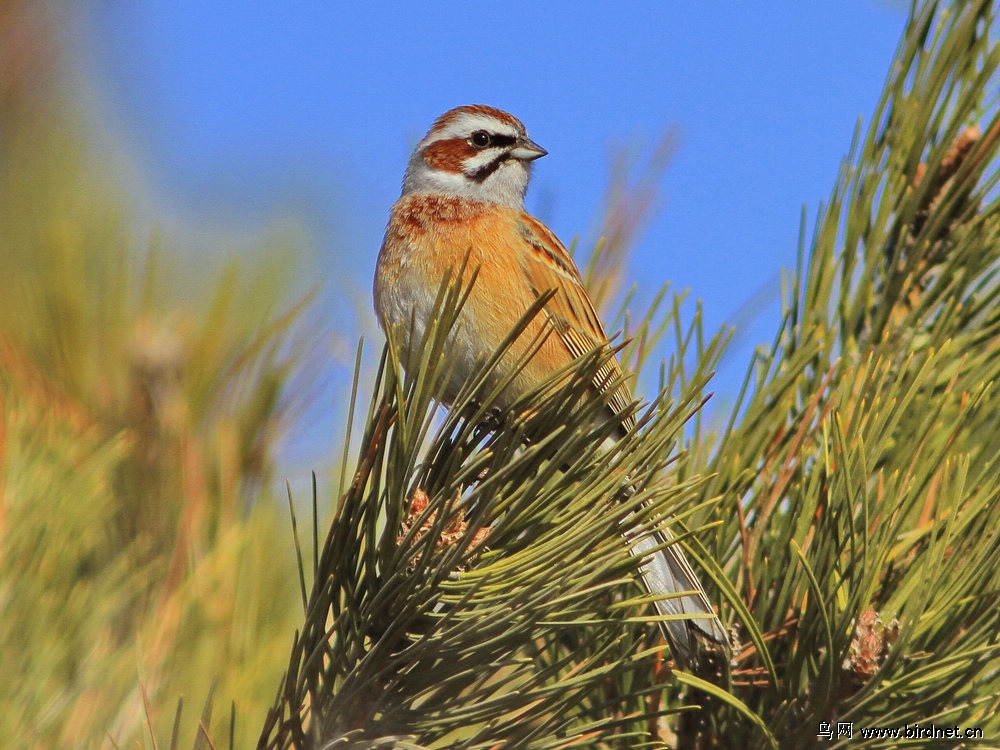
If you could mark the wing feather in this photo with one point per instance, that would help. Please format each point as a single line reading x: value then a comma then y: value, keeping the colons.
x: 548, y: 265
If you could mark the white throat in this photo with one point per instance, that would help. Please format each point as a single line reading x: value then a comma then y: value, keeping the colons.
x: 505, y: 186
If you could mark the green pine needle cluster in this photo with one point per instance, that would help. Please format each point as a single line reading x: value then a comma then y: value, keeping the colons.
x: 475, y: 589
x: 859, y: 479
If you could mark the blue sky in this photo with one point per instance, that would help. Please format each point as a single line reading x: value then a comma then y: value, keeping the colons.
x: 240, y: 113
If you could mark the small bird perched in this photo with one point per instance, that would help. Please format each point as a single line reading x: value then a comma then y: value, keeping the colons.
x: 463, y: 198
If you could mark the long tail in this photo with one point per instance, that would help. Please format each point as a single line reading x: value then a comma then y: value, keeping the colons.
x: 666, y: 571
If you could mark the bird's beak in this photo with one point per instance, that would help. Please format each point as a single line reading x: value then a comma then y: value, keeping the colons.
x: 528, y: 150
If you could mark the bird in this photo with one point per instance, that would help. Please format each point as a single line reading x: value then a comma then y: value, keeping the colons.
x: 462, y: 206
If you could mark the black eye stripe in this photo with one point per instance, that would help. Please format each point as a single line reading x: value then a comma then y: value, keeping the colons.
x: 497, y: 140
x: 502, y: 140
x: 492, y: 140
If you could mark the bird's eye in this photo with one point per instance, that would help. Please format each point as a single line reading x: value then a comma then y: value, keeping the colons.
x: 481, y: 139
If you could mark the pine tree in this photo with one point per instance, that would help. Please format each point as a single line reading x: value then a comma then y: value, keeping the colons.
x: 474, y: 591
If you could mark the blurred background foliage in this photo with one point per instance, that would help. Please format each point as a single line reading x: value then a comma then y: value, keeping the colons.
x: 145, y: 381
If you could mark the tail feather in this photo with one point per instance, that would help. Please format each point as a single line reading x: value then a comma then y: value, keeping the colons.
x: 666, y: 572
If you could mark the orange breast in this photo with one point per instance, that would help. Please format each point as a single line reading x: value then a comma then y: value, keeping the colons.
x: 429, y: 237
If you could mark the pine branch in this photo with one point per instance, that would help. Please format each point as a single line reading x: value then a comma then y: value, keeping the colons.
x: 862, y: 472
x: 474, y: 589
